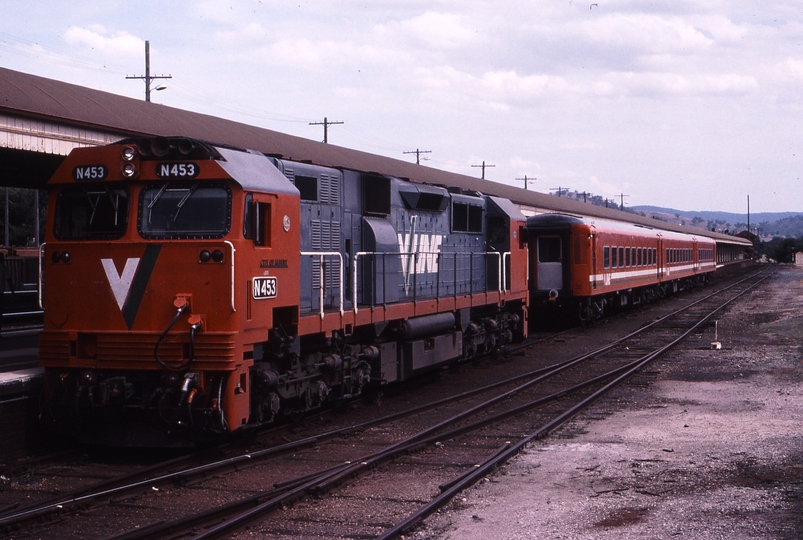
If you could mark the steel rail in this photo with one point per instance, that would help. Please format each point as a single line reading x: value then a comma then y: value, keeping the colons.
x: 242, y: 513
x: 480, y: 472
x: 104, y: 491
x: 327, y: 479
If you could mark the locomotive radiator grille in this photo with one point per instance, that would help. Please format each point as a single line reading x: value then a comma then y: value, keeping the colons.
x: 211, y: 351
x: 325, y: 237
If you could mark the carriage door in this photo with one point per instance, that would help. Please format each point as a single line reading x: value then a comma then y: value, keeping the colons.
x: 549, y: 271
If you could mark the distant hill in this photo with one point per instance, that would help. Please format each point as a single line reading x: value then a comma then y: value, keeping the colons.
x: 769, y: 224
x: 728, y: 217
x: 766, y: 224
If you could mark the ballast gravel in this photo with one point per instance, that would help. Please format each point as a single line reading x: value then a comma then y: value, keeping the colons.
x: 708, y: 444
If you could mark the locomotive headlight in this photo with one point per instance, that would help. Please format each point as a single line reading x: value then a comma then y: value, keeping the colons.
x: 205, y: 256
x: 129, y: 153
x: 129, y: 170
x: 57, y: 257
x: 88, y: 376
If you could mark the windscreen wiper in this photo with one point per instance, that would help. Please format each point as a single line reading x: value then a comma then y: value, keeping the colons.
x: 184, y: 199
x: 155, y: 199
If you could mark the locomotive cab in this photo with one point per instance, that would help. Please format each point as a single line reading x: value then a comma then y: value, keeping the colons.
x: 147, y: 244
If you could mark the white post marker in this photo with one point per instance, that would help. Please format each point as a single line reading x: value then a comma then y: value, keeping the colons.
x: 716, y: 345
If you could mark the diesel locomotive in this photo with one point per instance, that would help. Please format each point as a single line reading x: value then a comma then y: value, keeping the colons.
x: 199, y: 289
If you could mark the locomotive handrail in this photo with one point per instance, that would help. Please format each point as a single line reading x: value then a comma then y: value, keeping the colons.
x: 233, y: 308
x: 504, y: 269
x: 321, y: 255
x: 41, y: 249
x: 501, y: 268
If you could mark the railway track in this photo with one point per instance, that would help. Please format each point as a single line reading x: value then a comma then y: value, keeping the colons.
x: 352, y: 480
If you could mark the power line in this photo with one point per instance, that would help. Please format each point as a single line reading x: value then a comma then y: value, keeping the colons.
x: 326, y: 123
x: 418, y: 153
x: 559, y: 190
x: 483, y: 168
x: 147, y: 77
x: 622, y: 201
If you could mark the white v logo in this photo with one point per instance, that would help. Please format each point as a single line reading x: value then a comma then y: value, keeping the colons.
x: 121, y: 284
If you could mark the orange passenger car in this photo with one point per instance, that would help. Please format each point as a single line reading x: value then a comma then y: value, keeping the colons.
x: 583, y: 267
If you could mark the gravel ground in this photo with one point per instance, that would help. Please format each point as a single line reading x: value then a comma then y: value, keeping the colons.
x: 708, y: 445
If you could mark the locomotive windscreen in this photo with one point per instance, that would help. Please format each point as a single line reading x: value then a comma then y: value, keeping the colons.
x: 91, y: 213
x: 184, y: 211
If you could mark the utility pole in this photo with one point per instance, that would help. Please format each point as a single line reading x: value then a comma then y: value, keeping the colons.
x: 526, y: 180
x: 147, y: 77
x: 483, y: 168
x: 559, y: 190
x: 326, y: 123
x: 748, y: 213
x: 622, y: 201
x: 418, y: 153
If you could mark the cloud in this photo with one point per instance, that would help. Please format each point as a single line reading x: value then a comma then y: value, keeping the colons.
x: 655, y: 84
x: 433, y: 30
x: 99, y: 39
x: 631, y: 93
x: 644, y: 33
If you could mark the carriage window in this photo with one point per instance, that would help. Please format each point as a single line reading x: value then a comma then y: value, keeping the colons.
x: 606, y: 257
x: 549, y: 249
x: 89, y: 213
x: 184, y: 211
x: 613, y: 257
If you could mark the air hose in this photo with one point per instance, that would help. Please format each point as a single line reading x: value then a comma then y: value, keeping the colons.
x: 193, y: 329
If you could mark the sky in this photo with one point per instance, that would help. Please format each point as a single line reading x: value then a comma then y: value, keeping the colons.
x: 683, y: 104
